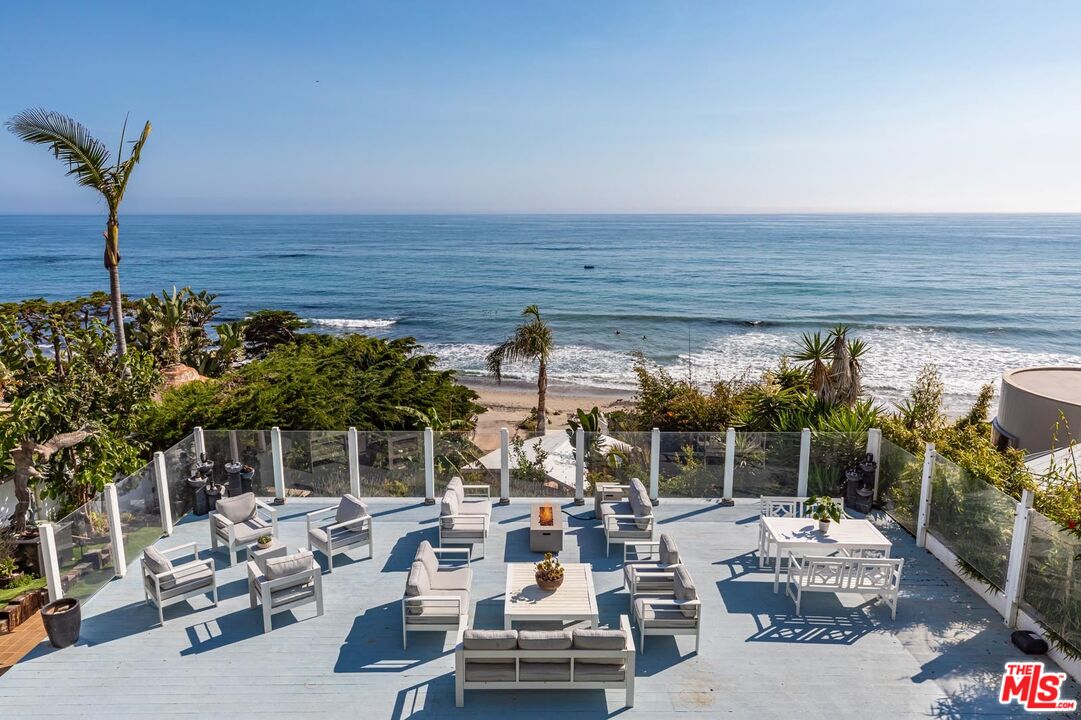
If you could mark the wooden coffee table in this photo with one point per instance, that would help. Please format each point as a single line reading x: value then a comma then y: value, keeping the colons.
x: 574, y: 600
x: 546, y: 538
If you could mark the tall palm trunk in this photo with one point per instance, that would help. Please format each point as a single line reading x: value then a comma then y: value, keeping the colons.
x: 112, y: 262
x: 542, y: 389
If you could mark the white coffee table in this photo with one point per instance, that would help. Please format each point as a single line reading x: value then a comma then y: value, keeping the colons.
x: 802, y: 536
x: 574, y: 600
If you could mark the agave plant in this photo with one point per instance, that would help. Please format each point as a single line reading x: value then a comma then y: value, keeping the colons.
x: 89, y: 161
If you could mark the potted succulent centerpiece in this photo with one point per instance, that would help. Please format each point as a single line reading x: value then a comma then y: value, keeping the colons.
x: 825, y: 510
x: 265, y: 541
x: 549, y: 573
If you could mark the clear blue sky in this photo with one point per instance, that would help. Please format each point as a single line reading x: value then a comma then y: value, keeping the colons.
x: 556, y: 107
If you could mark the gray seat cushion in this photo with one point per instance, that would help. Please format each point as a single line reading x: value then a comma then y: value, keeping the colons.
x: 237, y: 509
x: 447, y: 507
x: 480, y: 507
x: 292, y: 594
x: 593, y: 672
x: 669, y: 552
x: 350, y: 508
x: 545, y: 640
x: 155, y: 561
x: 534, y: 671
x: 616, y: 508
x: 452, y: 579
x: 464, y: 532
x: 437, y: 612
x: 476, y: 671
x: 248, y: 531
x: 342, y: 537
x: 648, y: 577
x: 661, y: 617
x: 281, y: 567
x: 186, y: 578
x: 417, y: 582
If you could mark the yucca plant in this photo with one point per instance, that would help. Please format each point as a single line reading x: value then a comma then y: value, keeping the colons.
x: 89, y: 161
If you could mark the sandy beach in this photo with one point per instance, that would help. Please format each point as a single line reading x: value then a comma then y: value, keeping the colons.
x: 510, y: 402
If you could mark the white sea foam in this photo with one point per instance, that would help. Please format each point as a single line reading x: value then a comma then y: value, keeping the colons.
x: 350, y: 323
x: 891, y: 365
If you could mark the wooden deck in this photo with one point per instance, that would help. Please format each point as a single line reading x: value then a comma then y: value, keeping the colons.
x: 845, y: 658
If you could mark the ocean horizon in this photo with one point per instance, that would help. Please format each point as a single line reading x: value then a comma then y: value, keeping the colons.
x: 705, y: 296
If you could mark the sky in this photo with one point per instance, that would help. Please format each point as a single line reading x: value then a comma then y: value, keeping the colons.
x: 515, y: 107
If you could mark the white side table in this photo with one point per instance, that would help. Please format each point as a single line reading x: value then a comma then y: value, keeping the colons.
x: 260, y: 555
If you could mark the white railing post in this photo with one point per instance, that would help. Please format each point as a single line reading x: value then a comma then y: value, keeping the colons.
x: 804, y: 462
x: 116, y: 532
x: 655, y: 466
x: 729, y: 463
x: 874, y: 449
x: 429, y: 466
x: 504, y: 466
x: 352, y: 443
x: 1015, y: 572
x: 165, y: 506
x: 580, y: 466
x: 50, y: 560
x: 200, y: 443
x: 278, y: 465
x: 924, y: 515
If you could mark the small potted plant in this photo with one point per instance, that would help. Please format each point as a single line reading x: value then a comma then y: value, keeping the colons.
x: 549, y: 573
x: 825, y: 510
x: 265, y: 541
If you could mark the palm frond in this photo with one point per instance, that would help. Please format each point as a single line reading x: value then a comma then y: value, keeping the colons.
x: 124, y: 169
x: 86, y: 156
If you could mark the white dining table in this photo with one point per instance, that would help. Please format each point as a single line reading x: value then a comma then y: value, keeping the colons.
x: 802, y: 536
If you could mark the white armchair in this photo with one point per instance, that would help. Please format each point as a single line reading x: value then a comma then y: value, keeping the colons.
x: 675, y: 613
x: 288, y: 582
x: 165, y: 583
x: 238, y: 523
x: 351, y: 527
x: 459, y: 527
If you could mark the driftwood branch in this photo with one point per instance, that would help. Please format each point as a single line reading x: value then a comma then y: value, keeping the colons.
x: 26, y: 456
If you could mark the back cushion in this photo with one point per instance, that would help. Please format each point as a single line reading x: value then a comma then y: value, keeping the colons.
x: 237, y: 509
x: 288, y: 565
x: 427, y: 556
x: 683, y: 588
x: 545, y: 640
x: 458, y: 487
x: 490, y: 639
x: 669, y: 551
x: 596, y: 639
x: 156, y: 562
x: 417, y: 583
x: 350, y: 508
x: 449, y: 506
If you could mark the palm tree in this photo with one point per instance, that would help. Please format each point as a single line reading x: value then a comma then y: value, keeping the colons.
x: 532, y: 341
x: 88, y: 160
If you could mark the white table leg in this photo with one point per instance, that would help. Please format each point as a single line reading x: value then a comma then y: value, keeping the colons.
x: 507, y: 623
x: 777, y: 568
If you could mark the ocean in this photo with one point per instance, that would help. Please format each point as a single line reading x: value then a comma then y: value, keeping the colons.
x: 708, y: 297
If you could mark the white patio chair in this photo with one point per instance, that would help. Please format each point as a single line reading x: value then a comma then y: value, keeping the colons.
x: 288, y: 583
x: 165, y: 583
x: 238, y: 523
x: 352, y: 527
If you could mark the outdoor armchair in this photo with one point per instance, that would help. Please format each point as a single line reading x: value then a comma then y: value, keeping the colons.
x: 350, y: 527
x: 287, y: 583
x: 238, y: 523
x: 165, y: 583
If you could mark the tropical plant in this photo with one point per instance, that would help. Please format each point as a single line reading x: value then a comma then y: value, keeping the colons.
x: 89, y: 161
x: 834, y: 364
x: 532, y: 342
x: 528, y: 466
x: 229, y: 350
x: 172, y: 325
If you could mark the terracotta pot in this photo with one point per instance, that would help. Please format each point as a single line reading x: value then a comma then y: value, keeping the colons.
x: 547, y: 584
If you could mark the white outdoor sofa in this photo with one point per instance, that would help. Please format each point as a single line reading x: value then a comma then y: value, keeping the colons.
x: 783, y: 506
x: 866, y: 576
x: 626, y: 517
x: 545, y: 660
x: 678, y: 612
x: 464, y: 519
x: 436, y: 598
x: 287, y: 583
x: 165, y: 583
x: 351, y: 527
x: 238, y: 523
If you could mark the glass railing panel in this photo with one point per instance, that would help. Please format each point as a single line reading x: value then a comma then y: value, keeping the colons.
x: 766, y: 464
x: 615, y: 457
x: 973, y: 519
x: 899, y: 476
x: 466, y: 455
x: 249, y: 448
x: 832, y: 454
x: 316, y: 463
x: 140, y: 514
x: 391, y: 463
x: 179, y: 460
x: 691, y: 464
x: 1052, y: 585
x: 84, y: 550
x: 541, y: 466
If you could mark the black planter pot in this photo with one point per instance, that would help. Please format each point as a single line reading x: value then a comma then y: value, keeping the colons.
x: 62, y: 619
